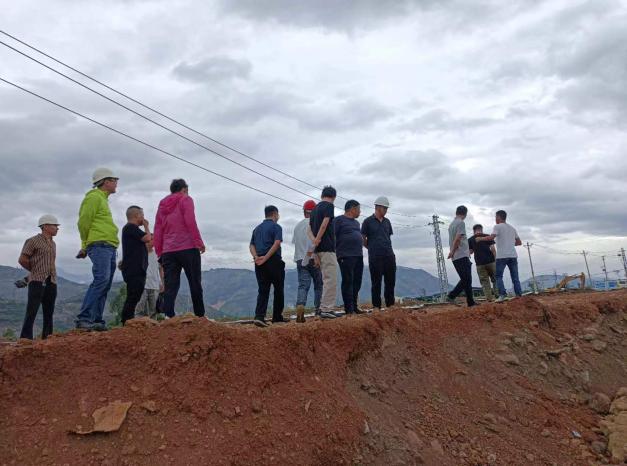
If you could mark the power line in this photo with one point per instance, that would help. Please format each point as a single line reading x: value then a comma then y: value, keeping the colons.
x: 152, y: 109
x: 147, y: 144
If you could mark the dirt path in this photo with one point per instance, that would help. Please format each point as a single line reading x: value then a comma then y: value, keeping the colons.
x: 505, y: 384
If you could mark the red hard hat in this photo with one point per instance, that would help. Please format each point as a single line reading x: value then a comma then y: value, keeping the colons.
x: 309, y: 205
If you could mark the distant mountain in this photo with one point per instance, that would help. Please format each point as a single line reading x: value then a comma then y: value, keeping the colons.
x: 227, y: 293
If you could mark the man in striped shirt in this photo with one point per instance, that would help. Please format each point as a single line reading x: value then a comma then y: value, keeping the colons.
x: 38, y: 257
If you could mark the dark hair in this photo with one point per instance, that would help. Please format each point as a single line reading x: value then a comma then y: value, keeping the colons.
x: 461, y: 210
x: 329, y: 191
x: 478, y: 226
x: 501, y: 214
x: 350, y: 204
x: 269, y: 210
x: 177, y: 185
x: 133, y: 210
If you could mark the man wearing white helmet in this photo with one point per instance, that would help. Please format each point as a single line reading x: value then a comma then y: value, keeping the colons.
x: 377, y: 231
x: 99, y: 242
x: 38, y: 256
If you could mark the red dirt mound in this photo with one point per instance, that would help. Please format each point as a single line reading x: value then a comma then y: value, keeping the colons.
x: 516, y: 383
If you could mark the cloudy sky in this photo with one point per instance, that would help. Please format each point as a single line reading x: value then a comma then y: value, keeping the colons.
x: 518, y: 105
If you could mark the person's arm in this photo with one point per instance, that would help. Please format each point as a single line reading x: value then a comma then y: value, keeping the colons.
x: 147, y: 236
x: 487, y: 238
x: 86, y: 216
x: 25, y: 255
x: 187, y: 207
x: 493, y: 249
x: 518, y: 241
x: 157, y: 237
x: 310, y: 234
x: 456, y: 242
x: 364, y: 232
x: 263, y: 259
x: 323, y: 228
x: 253, y: 251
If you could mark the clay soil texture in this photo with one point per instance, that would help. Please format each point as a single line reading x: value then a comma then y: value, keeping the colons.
x: 525, y: 382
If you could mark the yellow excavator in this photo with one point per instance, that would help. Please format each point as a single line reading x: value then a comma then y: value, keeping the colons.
x: 569, y: 278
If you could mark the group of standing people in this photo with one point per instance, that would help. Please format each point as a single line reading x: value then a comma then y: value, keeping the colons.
x: 493, y: 253
x: 322, y: 242
x: 151, y: 262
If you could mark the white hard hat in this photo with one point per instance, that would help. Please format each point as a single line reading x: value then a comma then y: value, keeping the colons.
x: 382, y: 201
x: 47, y: 220
x: 102, y: 173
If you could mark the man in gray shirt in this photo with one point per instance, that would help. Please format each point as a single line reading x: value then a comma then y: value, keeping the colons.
x: 460, y: 253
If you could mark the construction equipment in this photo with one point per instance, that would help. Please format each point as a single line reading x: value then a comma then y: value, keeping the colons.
x: 567, y: 279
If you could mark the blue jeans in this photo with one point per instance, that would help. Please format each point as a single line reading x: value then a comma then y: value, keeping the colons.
x: 305, y: 275
x: 512, y: 264
x: 103, y: 259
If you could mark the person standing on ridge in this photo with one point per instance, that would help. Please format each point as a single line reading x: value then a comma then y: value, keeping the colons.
x: 134, y: 259
x: 460, y: 253
x: 265, y: 247
x: 38, y: 256
x: 178, y: 245
x: 485, y: 261
x: 147, y: 305
x: 506, y: 238
x: 350, y: 255
x: 99, y: 242
x: 307, y: 267
x: 321, y: 223
x: 377, y: 232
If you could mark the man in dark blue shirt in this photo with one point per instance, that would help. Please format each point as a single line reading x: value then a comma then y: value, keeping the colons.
x: 265, y: 247
x: 377, y: 231
x: 349, y: 250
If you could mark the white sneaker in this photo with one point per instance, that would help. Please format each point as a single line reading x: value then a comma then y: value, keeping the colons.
x: 500, y: 299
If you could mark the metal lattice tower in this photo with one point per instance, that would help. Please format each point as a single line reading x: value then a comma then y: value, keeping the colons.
x: 439, y: 255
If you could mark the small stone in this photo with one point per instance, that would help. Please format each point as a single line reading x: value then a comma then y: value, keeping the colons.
x: 162, y: 447
x: 544, y: 368
x: 600, y: 403
x: 128, y: 449
x: 509, y: 358
x: 366, y: 428
x: 373, y: 391
x: 598, y: 447
x: 530, y: 457
x: 238, y: 411
x: 437, y: 447
x: 134, y: 388
x: 307, y: 406
x: 256, y: 406
x: 599, y: 346
x: 149, y: 406
x: 546, y: 433
x: 491, y: 458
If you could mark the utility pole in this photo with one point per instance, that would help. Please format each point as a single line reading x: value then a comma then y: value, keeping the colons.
x: 585, y: 258
x: 533, y: 275
x: 439, y: 255
x: 622, y: 256
x: 605, y: 271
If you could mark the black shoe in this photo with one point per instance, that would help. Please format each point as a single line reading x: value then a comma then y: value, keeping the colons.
x: 260, y: 323
x: 100, y: 327
x: 327, y: 315
x: 82, y: 325
x: 281, y: 320
x: 359, y: 311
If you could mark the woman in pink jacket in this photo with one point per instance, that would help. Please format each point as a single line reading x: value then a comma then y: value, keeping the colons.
x: 178, y: 245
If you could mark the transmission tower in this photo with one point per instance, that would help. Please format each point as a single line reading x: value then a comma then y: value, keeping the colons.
x: 439, y: 255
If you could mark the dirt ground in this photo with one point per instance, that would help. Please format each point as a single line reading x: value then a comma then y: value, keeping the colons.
x: 521, y: 383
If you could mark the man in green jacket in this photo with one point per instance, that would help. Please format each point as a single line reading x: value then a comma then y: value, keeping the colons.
x: 99, y: 242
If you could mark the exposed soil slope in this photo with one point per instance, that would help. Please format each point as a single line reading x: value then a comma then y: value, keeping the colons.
x: 517, y: 383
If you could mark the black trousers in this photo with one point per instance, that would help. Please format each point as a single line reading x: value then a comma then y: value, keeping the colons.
x: 173, y: 262
x: 382, y: 268
x: 272, y: 273
x: 44, y: 294
x: 352, y: 270
x: 134, y: 290
x: 463, y: 267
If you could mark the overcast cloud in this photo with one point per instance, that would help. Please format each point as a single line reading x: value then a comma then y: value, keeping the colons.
x: 519, y: 105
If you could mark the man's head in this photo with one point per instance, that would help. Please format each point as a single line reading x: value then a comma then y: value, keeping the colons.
x: 135, y: 215
x: 328, y: 194
x: 272, y: 213
x: 105, y: 180
x: 308, y: 207
x: 477, y: 229
x: 381, y: 205
x: 461, y: 212
x: 49, y: 225
x: 352, y: 209
x: 501, y: 216
x: 179, y: 186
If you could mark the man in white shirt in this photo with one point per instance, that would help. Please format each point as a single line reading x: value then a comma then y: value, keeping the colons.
x: 147, y: 305
x: 307, y: 266
x: 506, y: 238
